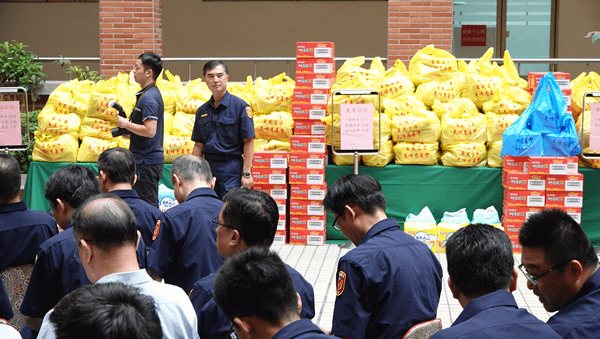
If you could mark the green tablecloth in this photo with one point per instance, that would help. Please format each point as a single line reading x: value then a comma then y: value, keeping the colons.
x: 407, y: 189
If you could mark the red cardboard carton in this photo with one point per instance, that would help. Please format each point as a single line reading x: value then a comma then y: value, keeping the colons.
x: 574, y: 212
x: 307, y: 207
x: 308, y: 143
x: 274, y: 191
x: 562, y: 79
x: 518, y: 213
x: 281, y: 223
x: 524, y: 181
x: 306, y: 237
x: 308, y: 111
x: 552, y: 165
x: 273, y: 176
x: 570, y: 182
x: 313, y: 65
x: 308, y: 192
x: 308, y: 222
x: 305, y: 176
x: 275, y: 159
x: 564, y: 199
x: 524, y: 198
x: 307, y: 160
x: 514, y: 164
x: 322, y: 49
x: 280, y: 237
x: 281, y: 206
x: 314, y: 80
x: 309, y: 127
x: 311, y: 96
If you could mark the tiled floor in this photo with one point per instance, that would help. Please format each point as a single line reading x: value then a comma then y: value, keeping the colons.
x: 318, y: 265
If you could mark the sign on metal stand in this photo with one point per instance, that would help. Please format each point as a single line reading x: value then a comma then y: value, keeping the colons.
x: 590, y: 126
x: 13, y: 102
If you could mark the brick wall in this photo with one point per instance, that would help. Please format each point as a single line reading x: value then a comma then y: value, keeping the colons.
x: 127, y: 29
x: 415, y: 24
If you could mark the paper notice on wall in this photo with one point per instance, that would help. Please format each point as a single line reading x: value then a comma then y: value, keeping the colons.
x: 356, y: 126
x: 10, y: 123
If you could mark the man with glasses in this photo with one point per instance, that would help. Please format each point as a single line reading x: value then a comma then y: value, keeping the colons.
x: 248, y: 219
x: 561, y: 267
x: 482, y: 278
x: 106, y: 235
x: 257, y: 296
x: 184, y: 248
x: 390, y: 281
x: 224, y: 132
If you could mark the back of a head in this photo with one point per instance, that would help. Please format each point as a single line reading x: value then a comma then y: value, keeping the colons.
x: 106, y: 311
x: 253, y: 213
x: 72, y: 184
x: 355, y: 189
x: 152, y: 61
x: 212, y: 64
x: 559, y: 236
x: 10, y: 177
x: 107, y: 222
x: 191, y: 168
x: 480, y: 259
x: 255, y: 283
x: 118, y: 164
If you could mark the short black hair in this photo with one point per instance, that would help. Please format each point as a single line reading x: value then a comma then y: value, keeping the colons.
x: 355, y: 189
x: 255, y: 282
x: 559, y: 236
x: 152, y: 61
x: 191, y: 167
x: 118, y: 164
x: 10, y: 177
x: 253, y: 213
x: 72, y: 184
x: 106, y: 221
x: 109, y: 310
x: 480, y: 259
x: 212, y: 64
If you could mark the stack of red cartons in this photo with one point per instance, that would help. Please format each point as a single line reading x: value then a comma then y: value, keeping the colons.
x: 562, y: 79
x: 534, y: 183
x: 269, y: 171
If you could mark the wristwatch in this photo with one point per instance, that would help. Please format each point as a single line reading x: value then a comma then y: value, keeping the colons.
x: 247, y: 174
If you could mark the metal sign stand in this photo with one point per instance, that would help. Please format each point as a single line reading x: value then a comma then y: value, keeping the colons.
x: 591, y: 156
x: 25, y: 103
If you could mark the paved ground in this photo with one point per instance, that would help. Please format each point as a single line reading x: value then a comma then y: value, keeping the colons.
x: 318, y: 265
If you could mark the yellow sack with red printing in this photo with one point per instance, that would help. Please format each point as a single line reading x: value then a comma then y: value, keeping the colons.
x: 443, y: 91
x: 53, y: 123
x: 117, y: 89
x: 494, y: 159
x: 463, y: 128
x: 455, y: 106
x: 583, y: 83
x: 242, y: 91
x: 421, y: 127
x: 168, y: 90
x: 71, y: 97
x: 408, y: 153
x: 507, y: 99
x: 464, y: 155
x: 276, y: 125
x: 95, y: 127
x: 191, y: 96
x: 52, y: 148
x: 402, y: 105
x: 274, y: 94
x: 432, y: 64
x: 92, y: 147
x: 261, y: 145
x: 383, y: 157
x: 385, y: 128
x: 175, y: 146
x: 395, y: 82
x: 497, y: 124
x: 183, y: 124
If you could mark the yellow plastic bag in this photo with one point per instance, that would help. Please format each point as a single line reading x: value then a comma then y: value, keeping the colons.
x: 395, y: 82
x: 493, y: 157
x: 275, y: 94
x: 51, y: 148
x: 512, y: 73
x: 464, y: 155
x: 348, y: 71
x: 583, y: 83
x: 455, y: 106
x: 276, y: 145
x: 183, y: 124
x: 385, y: 128
x: 402, y: 105
x: 124, y: 142
x: 421, y: 127
x: 483, y: 78
x: 343, y: 160
x: 244, y: 91
x: 98, y: 128
x: 443, y: 91
x: 176, y: 146
x: 382, y: 158
x: 432, y: 64
x: 276, y: 125
x: 71, y: 97
x: 117, y: 89
x: 497, y: 124
x: 192, y: 96
x: 507, y: 100
x: 50, y: 122
x: 92, y: 147
x: 463, y: 128
x: 168, y: 123
x: 407, y: 153
x: 168, y: 91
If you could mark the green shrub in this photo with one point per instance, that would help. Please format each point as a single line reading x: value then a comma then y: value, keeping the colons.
x: 24, y: 157
x: 19, y: 67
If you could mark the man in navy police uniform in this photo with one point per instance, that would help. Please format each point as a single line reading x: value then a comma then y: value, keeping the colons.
x: 6, y: 312
x: 56, y: 271
x: 224, y: 131
x: 146, y: 125
x: 184, y: 248
x: 116, y: 169
x: 482, y: 276
x: 561, y: 268
x: 21, y: 230
x: 390, y: 281
x: 248, y: 219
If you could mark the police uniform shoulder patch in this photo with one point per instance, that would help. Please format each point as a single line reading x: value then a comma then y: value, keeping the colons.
x: 341, y: 283
x: 156, y: 229
x: 249, y: 112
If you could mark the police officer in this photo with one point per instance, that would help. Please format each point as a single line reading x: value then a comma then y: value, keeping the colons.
x: 147, y: 127
x: 184, y: 248
x: 6, y: 311
x: 390, y: 281
x: 21, y: 230
x: 224, y: 131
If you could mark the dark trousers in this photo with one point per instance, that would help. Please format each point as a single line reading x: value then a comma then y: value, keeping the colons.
x: 146, y: 185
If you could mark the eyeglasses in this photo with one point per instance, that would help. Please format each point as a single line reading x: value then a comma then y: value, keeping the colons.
x: 337, y: 227
x: 216, y: 224
x: 231, y: 334
x: 532, y: 278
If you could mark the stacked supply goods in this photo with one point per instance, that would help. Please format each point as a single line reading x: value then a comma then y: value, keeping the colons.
x: 56, y: 139
x: 532, y: 183
x: 180, y: 114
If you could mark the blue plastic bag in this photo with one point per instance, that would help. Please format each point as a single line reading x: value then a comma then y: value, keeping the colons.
x: 545, y: 128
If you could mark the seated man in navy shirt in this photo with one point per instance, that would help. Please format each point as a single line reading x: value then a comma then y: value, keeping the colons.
x: 257, y: 296
x: 390, y: 281
x: 561, y: 268
x: 248, y: 219
x: 482, y: 276
x: 56, y: 271
x: 21, y: 230
x: 116, y: 173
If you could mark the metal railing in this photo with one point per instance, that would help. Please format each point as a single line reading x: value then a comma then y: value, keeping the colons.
x: 287, y: 60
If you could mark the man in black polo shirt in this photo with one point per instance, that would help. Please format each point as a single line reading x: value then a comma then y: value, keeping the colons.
x: 146, y: 125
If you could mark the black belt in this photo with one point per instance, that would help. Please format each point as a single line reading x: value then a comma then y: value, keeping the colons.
x: 222, y: 157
